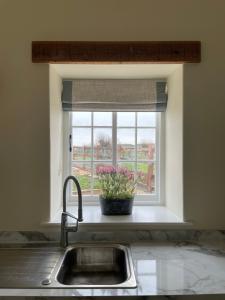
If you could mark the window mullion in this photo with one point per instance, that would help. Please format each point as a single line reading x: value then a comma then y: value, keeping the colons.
x: 114, y: 139
x: 136, y: 144
x: 92, y: 153
x: 158, y: 155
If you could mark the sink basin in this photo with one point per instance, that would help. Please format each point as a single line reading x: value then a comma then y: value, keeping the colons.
x: 96, y: 266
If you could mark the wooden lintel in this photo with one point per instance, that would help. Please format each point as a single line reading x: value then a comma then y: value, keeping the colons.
x: 116, y: 52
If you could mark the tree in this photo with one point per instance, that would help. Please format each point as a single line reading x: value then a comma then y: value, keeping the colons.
x: 103, y: 146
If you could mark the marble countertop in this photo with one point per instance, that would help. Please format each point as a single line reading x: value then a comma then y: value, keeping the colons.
x: 161, y: 268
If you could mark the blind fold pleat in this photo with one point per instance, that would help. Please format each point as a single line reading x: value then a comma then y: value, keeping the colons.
x: 114, y: 95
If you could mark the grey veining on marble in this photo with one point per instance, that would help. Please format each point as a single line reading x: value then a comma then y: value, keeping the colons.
x: 118, y: 236
x: 162, y: 268
x: 22, y: 237
x: 181, y: 270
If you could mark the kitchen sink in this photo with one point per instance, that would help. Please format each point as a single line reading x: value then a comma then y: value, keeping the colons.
x: 96, y: 266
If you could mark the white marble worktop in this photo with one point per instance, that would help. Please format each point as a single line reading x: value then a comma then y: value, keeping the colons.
x: 162, y: 268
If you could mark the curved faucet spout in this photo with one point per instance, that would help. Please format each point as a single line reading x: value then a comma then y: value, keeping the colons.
x: 80, y: 210
x: 65, y: 227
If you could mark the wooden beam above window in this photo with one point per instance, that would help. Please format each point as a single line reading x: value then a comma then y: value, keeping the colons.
x: 116, y: 52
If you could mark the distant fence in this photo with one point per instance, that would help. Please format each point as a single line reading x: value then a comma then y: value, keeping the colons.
x: 103, y: 153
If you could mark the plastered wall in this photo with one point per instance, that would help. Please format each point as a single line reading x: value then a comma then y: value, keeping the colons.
x: 174, y: 144
x: 24, y: 95
x: 56, y: 141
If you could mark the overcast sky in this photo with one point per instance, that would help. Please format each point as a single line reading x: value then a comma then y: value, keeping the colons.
x: 82, y: 136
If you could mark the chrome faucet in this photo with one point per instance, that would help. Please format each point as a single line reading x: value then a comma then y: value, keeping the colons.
x: 65, y: 226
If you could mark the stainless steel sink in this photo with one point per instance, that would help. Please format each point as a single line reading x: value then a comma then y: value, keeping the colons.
x: 96, y: 266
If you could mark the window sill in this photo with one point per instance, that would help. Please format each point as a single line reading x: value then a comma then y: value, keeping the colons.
x: 142, y: 216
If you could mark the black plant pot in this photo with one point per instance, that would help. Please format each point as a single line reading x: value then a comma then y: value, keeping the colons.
x: 116, y: 206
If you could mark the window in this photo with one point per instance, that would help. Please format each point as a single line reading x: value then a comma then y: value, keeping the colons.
x: 126, y: 139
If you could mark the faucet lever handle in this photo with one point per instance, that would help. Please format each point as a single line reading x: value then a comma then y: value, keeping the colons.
x: 69, y: 227
x: 67, y: 214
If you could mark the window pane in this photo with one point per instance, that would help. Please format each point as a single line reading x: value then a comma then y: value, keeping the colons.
x: 102, y: 119
x: 126, y: 119
x: 141, y: 163
x: 96, y: 188
x: 82, y: 172
x: 146, y: 144
x: 125, y: 144
x: 103, y: 144
x: 81, y: 144
x: 146, y: 119
x: 128, y: 165
x: 146, y: 178
x: 81, y: 118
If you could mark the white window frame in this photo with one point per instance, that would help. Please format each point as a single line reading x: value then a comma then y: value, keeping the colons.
x: 155, y: 199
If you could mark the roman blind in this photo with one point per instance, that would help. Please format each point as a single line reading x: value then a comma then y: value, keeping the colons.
x: 114, y: 95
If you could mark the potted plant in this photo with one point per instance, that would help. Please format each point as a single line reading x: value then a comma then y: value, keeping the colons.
x: 117, y: 190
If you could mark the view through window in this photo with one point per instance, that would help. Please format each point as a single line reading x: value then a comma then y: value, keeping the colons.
x: 126, y: 139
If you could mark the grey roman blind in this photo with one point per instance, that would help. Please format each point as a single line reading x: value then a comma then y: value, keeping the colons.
x: 114, y: 95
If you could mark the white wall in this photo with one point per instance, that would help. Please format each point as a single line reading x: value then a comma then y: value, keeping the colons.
x: 56, y: 141
x: 174, y: 143
x: 24, y: 95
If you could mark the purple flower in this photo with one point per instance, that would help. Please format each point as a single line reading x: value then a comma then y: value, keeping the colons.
x: 116, y: 182
x: 102, y: 170
x: 110, y: 170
